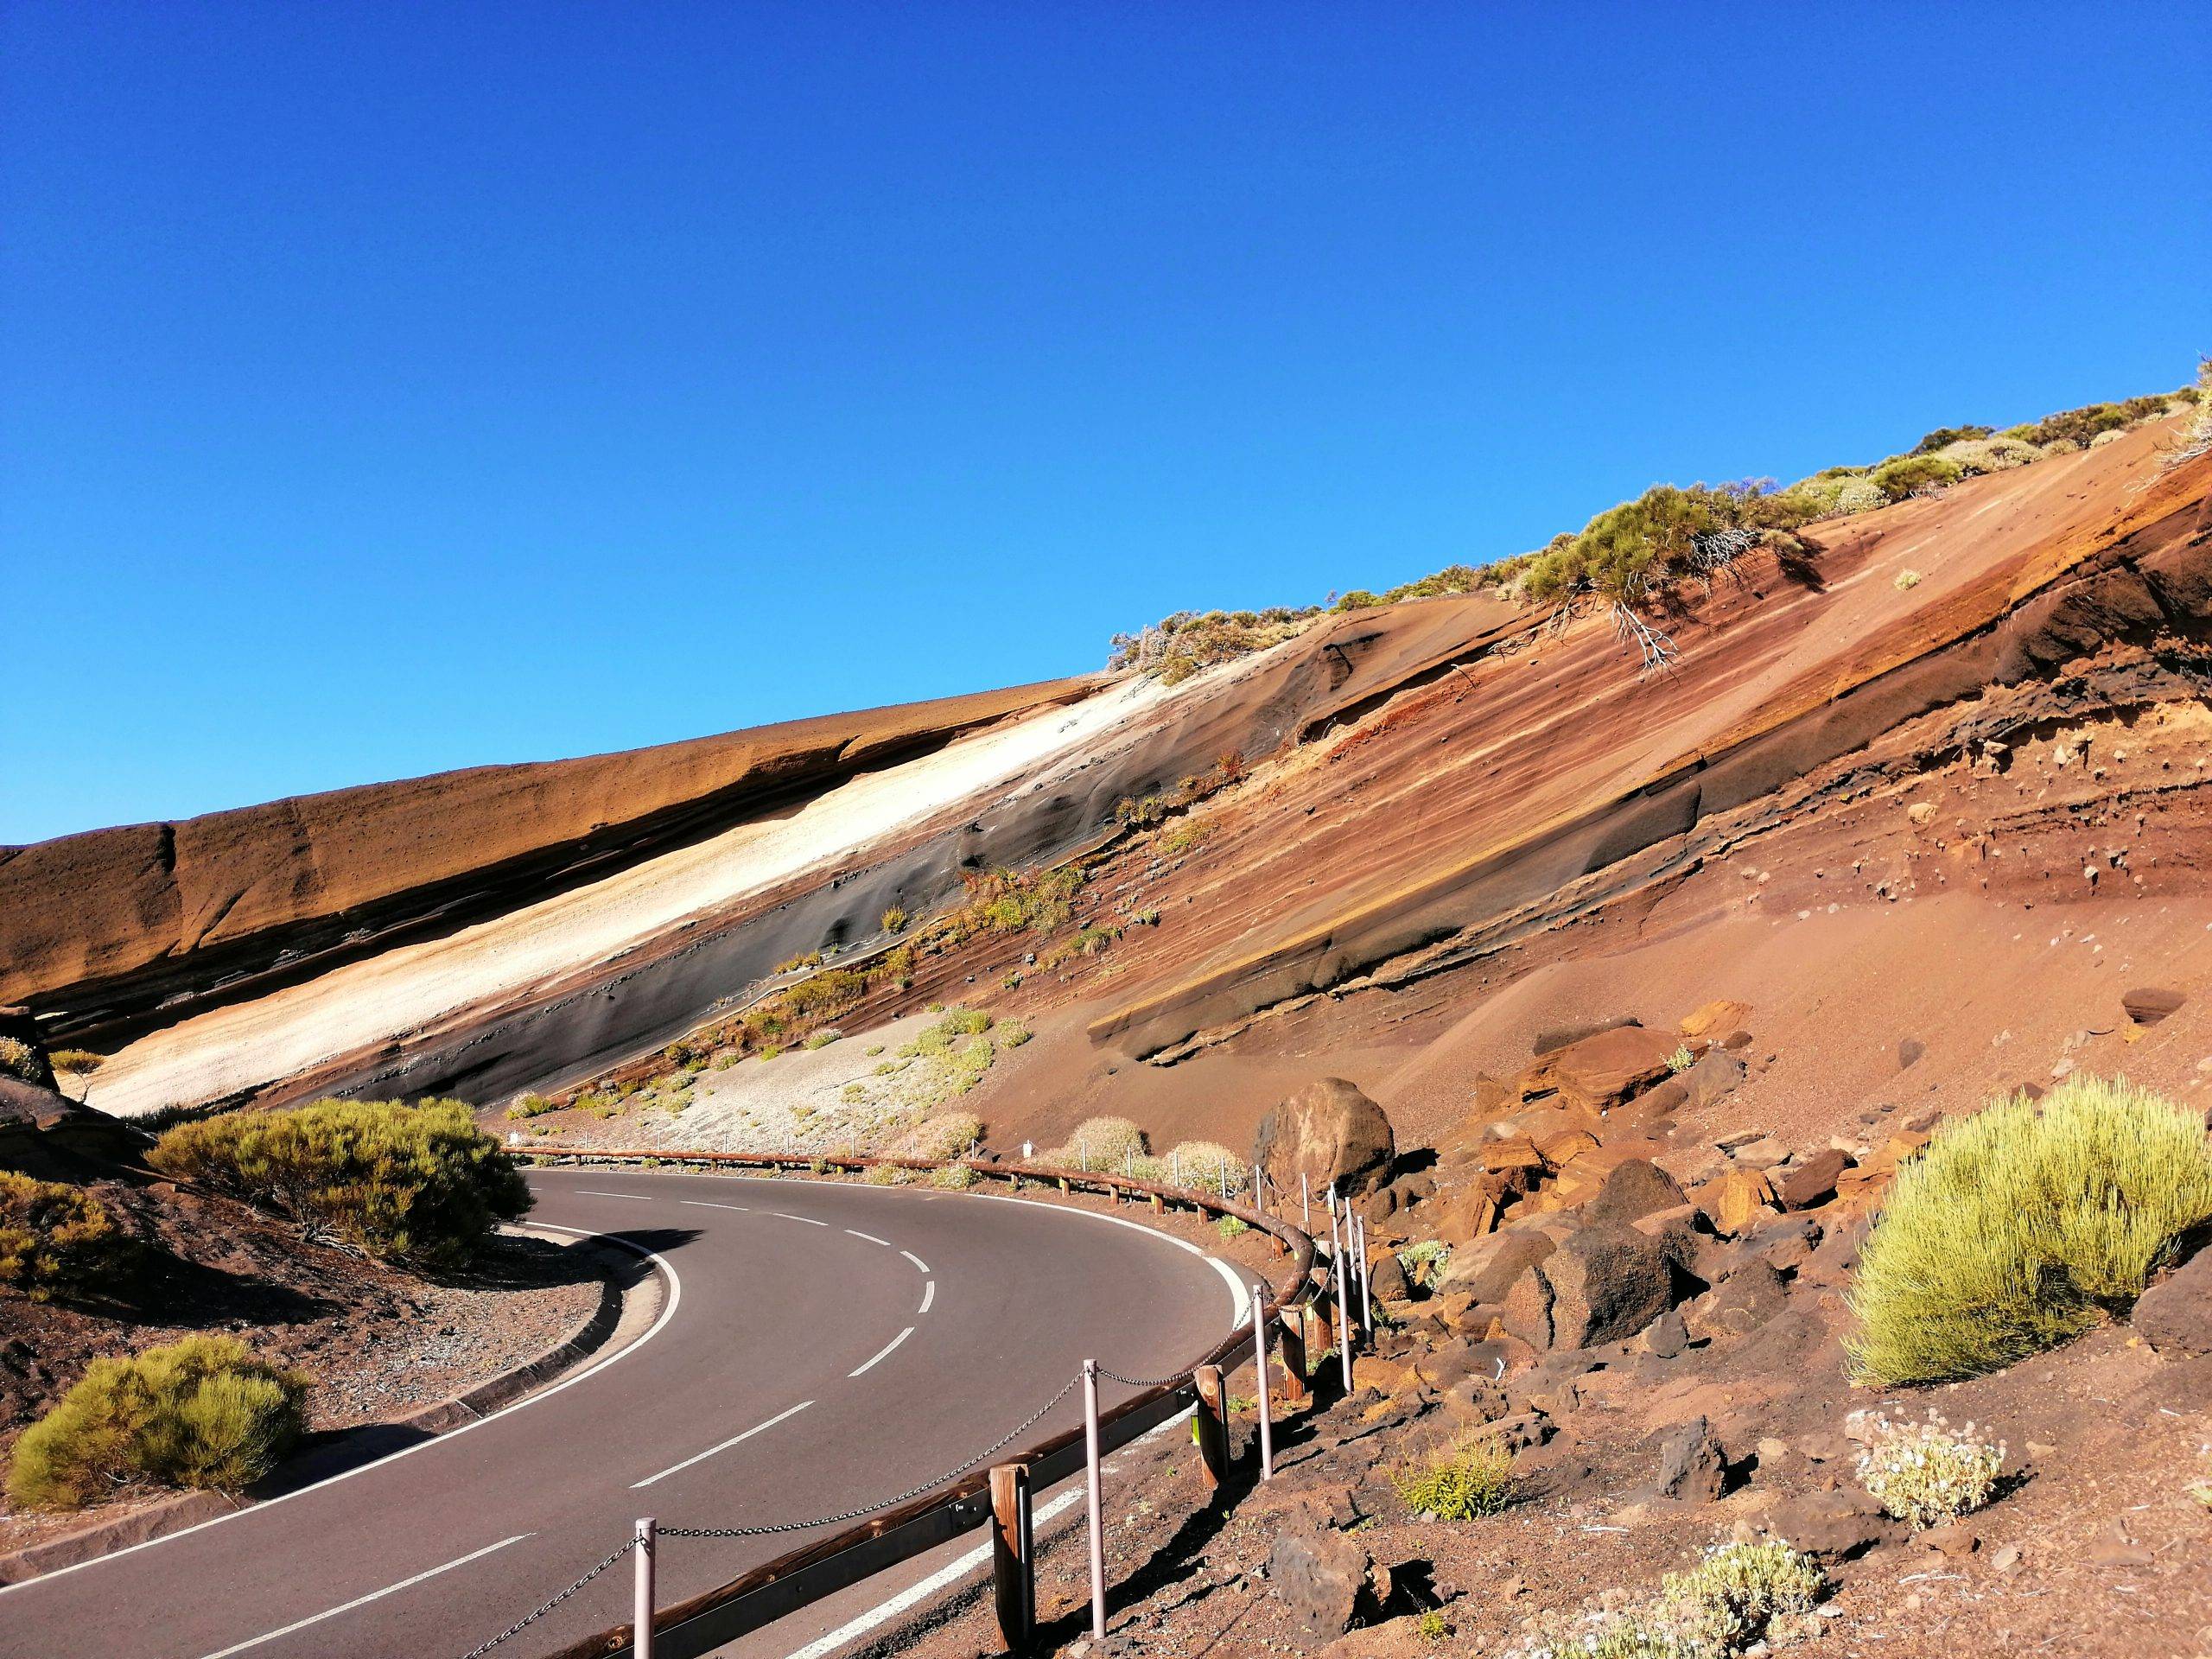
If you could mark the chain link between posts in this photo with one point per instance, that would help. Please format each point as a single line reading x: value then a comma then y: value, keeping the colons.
x: 529, y: 1619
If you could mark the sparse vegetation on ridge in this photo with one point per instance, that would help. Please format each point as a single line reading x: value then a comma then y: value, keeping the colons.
x: 1469, y: 1477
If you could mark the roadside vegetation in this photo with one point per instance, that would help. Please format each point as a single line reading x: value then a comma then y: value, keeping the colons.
x: 203, y: 1413
x: 59, y: 1242
x: 2022, y: 1226
x: 418, y: 1184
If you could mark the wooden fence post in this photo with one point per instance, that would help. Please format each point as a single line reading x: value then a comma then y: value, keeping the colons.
x: 1295, y: 1391
x: 1013, y: 1567
x: 1212, y: 1419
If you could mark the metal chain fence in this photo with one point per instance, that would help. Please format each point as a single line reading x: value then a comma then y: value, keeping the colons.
x: 529, y: 1619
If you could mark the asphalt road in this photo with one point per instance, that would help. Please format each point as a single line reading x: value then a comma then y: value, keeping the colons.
x: 822, y: 1347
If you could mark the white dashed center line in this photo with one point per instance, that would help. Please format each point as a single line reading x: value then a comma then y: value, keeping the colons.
x: 591, y: 1192
x: 929, y: 1295
x: 871, y: 1237
x: 916, y: 1259
x: 704, y: 1205
x: 725, y: 1446
x: 809, y: 1220
x: 886, y: 1354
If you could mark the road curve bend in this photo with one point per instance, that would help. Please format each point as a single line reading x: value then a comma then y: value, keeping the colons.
x: 821, y: 1348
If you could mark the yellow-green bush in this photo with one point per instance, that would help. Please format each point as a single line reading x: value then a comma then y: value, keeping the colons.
x: 1200, y: 1165
x: 1472, y: 1476
x: 946, y: 1135
x: 1100, y: 1143
x: 203, y: 1412
x: 57, y: 1240
x: 2020, y: 1225
x: 417, y: 1184
x: 18, y: 1060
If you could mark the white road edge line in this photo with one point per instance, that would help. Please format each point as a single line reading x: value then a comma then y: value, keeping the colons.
x: 724, y: 1446
x: 916, y: 1259
x: 1240, y: 1294
x: 373, y: 1595
x: 871, y: 1237
x: 886, y: 1354
x: 668, y: 1312
x: 929, y: 1295
x: 809, y: 1220
x: 950, y: 1574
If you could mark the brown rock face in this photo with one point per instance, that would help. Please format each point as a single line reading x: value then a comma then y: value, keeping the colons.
x: 1812, y: 1182
x: 1634, y: 1190
x: 1607, y: 1283
x: 1329, y: 1132
x: 2175, y: 1316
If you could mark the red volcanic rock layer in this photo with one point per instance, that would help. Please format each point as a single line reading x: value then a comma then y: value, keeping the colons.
x: 91, y: 910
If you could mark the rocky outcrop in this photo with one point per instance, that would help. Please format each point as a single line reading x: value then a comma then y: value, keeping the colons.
x: 1330, y: 1134
x: 2175, y: 1315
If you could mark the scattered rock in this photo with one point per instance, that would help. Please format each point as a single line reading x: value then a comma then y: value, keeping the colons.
x: 1716, y: 1074
x: 1719, y: 1016
x: 1910, y: 1051
x: 1320, y: 1574
x: 1666, y: 1335
x: 1835, y: 1526
x: 1956, y: 1541
x: 1386, y: 1278
x: 1328, y: 1132
x: 1633, y: 1189
x: 2150, y: 1004
x: 2175, y: 1315
x: 1606, y: 1283
x: 1552, y: 1039
x: 1600, y: 1071
x: 1691, y: 1463
x: 1802, y: 1185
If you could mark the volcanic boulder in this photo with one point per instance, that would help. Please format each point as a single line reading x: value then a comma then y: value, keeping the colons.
x: 1319, y: 1574
x: 2175, y: 1315
x: 1600, y: 1071
x: 1327, y: 1132
x: 1607, y: 1282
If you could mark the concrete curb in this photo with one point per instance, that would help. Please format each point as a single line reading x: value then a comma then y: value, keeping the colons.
x: 349, y: 1448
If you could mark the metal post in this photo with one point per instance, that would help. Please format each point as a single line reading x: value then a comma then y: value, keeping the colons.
x: 1224, y: 1183
x: 1344, y: 1310
x: 1368, y: 1301
x: 1175, y: 1167
x: 1259, y: 1192
x: 641, y: 1609
x: 1260, y: 1377
x: 1305, y: 1204
x: 1098, y: 1522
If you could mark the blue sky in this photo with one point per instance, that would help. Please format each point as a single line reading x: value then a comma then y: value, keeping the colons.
x: 386, y: 388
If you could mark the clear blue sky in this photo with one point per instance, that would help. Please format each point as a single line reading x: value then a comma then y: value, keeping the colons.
x: 386, y: 388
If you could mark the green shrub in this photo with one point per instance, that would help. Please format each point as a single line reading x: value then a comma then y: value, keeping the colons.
x: 2019, y: 1224
x: 1470, y: 1477
x: 19, y: 1060
x: 1904, y: 475
x: 965, y: 1022
x: 1738, y: 1590
x: 58, y: 1240
x: 955, y: 1177
x: 417, y: 1184
x: 1425, y: 1260
x: 824, y: 1037
x: 199, y: 1413
x: 894, y: 919
x: 1681, y: 1059
x: 1013, y: 1034
x: 1979, y: 456
x: 1927, y: 1473
x: 1200, y: 1165
x: 1906, y: 580
x: 1860, y: 495
x: 1190, y: 641
x: 533, y: 1106
x: 76, y: 1062
x: 1947, y: 437
x: 1359, y: 600
x: 886, y: 1175
x: 947, y: 1135
x: 1100, y: 1143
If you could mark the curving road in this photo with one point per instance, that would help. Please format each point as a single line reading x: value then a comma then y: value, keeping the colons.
x: 820, y: 1347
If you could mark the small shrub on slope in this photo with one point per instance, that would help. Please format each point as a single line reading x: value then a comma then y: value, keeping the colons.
x: 1101, y: 1143
x: 1927, y: 1474
x: 1471, y: 1477
x: 1733, y: 1599
x: 2018, y: 1225
x: 199, y: 1413
x: 419, y: 1183
x: 57, y: 1240
x: 1200, y: 1165
x: 19, y: 1060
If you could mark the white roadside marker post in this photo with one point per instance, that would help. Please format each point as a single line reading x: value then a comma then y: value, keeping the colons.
x: 1344, y: 1301
x: 641, y: 1609
x: 1259, y: 1192
x: 1305, y: 1204
x: 1366, y: 1296
x: 1098, y: 1522
x: 1260, y: 1375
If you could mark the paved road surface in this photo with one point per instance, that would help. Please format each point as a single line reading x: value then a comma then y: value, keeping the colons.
x: 826, y: 1346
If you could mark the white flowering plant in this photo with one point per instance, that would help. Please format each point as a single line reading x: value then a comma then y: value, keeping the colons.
x: 1927, y: 1473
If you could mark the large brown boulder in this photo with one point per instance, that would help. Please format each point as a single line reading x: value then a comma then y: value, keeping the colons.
x: 1320, y: 1575
x: 1607, y: 1283
x: 1327, y: 1132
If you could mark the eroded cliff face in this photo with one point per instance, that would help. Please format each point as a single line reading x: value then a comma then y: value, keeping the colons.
x: 108, y: 925
x: 1437, y: 794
